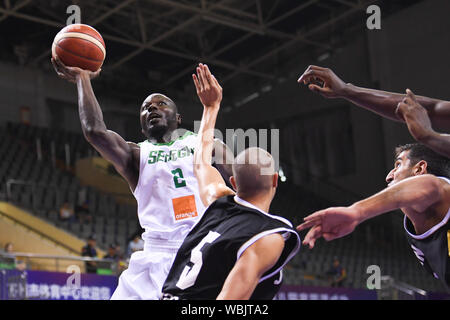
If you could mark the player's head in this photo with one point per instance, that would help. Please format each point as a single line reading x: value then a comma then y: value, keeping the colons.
x: 9, y: 247
x: 416, y: 159
x: 158, y: 115
x: 92, y: 241
x: 336, y: 262
x: 254, y: 173
x: 112, y: 249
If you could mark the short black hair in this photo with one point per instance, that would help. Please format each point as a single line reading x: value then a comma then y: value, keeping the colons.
x: 437, y: 164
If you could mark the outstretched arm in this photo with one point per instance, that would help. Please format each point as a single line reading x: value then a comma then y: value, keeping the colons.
x: 109, y: 144
x: 329, y: 85
x: 254, y: 262
x: 210, y: 182
x: 413, y: 195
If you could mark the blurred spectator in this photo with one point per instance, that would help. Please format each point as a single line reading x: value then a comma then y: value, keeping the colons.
x: 123, y: 261
x: 112, y: 253
x: 113, y: 256
x: 18, y: 264
x: 122, y: 266
x: 119, y: 252
x: 66, y: 212
x: 9, y: 248
x: 90, y: 250
x: 82, y: 213
x: 136, y: 244
x: 337, y: 274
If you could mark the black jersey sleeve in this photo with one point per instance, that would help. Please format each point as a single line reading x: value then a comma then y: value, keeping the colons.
x: 291, y: 247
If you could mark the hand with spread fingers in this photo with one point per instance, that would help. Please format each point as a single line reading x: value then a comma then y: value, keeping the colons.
x: 208, y: 89
x: 419, y: 124
x: 71, y: 73
x: 415, y: 116
x: 323, y: 81
x: 331, y: 223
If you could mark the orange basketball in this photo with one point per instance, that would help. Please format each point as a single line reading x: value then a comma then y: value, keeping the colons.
x: 80, y: 45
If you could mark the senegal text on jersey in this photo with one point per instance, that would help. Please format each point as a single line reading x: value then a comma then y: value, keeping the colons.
x: 162, y: 156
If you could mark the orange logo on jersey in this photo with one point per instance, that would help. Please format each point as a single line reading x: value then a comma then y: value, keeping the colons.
x: 184, y: 207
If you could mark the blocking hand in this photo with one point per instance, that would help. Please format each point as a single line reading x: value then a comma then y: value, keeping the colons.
x: 208, y: 89
x: 323, y: 81
x: 415, y: 116
x: 331, y: 223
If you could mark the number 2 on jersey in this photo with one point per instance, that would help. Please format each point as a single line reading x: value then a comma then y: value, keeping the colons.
x: 190, y: 273
x: 178, y: 178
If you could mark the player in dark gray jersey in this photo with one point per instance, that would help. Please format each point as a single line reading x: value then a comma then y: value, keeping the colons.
x: 419, y: 185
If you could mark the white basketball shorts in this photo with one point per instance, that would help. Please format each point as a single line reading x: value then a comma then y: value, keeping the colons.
x: 147, y: 271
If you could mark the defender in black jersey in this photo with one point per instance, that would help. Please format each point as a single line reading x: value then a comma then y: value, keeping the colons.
x: 432, y: 248
x: 237, y: 250
x: 228, y: 227
x: 419, y: 185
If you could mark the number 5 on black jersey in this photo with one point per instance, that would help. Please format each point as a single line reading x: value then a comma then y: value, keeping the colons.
x: 190, y: 273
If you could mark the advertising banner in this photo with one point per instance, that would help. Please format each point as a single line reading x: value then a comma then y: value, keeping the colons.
x: 43, y: 285
x: 13, y: 284
x: 290, y: 292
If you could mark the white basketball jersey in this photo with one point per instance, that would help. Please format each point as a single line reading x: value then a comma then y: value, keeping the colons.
x: 167, y: 190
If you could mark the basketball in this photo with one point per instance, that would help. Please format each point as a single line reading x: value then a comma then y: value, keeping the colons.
x: 80, y: 45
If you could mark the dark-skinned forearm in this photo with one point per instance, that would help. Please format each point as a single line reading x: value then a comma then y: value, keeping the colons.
x: 381, y: 102
x: 91, y: 115
x: 439, y: 142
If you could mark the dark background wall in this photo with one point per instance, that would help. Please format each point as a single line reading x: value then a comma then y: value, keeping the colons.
x: 410, y: 51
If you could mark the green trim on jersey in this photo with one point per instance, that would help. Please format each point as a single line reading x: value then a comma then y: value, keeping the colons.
x: 185, y: 135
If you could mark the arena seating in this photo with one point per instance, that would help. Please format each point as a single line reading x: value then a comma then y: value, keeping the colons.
x: 43, y: 187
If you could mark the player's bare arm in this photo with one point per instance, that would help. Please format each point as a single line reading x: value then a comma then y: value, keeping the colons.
x: 123, y: 155
x: 419, y: 124
x: 210, y: 182
x: 223, y: 159
x: 328, y: 84
x: 424, y: 199
x: 250, y: 267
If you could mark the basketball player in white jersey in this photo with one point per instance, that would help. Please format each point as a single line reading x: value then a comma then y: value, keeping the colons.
x: 160, y: 174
